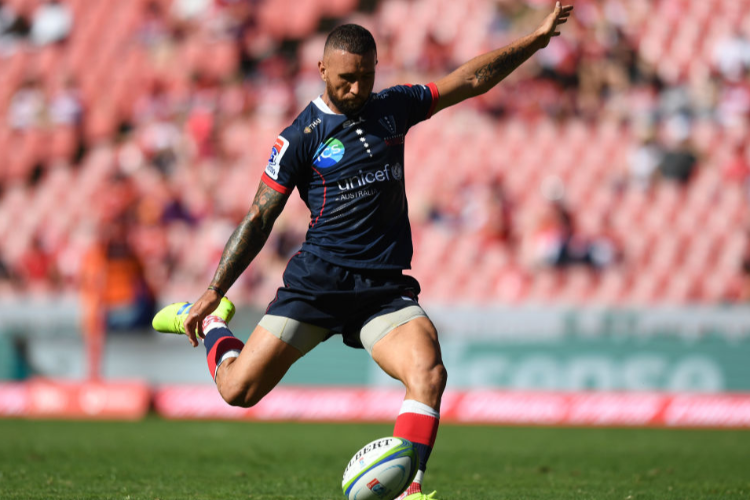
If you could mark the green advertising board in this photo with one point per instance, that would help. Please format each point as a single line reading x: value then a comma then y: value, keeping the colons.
x: 676, y: 349
x: 702, y: 349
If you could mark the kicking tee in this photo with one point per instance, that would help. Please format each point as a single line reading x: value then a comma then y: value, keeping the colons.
x: 349, y: 171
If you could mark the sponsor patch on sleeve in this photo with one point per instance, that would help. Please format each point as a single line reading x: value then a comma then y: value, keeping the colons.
x: 277, y: 153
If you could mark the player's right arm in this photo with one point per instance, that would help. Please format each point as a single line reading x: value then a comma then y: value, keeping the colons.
x: 243, y: 246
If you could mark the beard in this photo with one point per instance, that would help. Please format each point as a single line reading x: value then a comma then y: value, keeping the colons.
x: 347, y: 106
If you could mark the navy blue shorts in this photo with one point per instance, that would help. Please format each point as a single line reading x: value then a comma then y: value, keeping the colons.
x: 340, y: 299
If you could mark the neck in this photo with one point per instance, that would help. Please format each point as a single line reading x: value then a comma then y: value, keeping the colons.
x: 330, y: 104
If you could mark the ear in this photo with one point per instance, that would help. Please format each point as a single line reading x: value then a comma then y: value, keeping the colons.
x: 322, y: 70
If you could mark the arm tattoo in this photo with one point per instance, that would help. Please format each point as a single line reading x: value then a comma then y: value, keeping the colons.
x: 249, y: 237
x: 504, y: 64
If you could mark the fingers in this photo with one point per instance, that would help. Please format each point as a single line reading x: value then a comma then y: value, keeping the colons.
x: 199, y: 329
x: 194, y: 322
x: 193, y: 341
x: 189, y: 325
x: 194, y: 325
x: 563, y: 13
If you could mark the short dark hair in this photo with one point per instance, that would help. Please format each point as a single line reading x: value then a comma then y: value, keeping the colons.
x: 351, y: 38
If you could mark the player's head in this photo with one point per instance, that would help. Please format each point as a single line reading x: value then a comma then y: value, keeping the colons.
x: 348, y: 67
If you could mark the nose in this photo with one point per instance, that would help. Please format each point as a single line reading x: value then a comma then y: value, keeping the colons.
x: 354, y: 88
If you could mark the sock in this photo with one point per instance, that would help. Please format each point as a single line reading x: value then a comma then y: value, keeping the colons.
x: 418, y: 423
x: 219, y: 342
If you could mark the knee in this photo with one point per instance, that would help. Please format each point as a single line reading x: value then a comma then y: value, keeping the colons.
x: 239, y: 394
x: 429, y: 380
x: 439, y: 377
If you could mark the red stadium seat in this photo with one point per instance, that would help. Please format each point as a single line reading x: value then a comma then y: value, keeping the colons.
x: 579, y: 287
x: 681, y: 289
x: 337, y: 8
x: 612, y: 287
x: 63, y: 143
x: 220, y: 59
x: 512, y: 287
x: 545, y: 287
x: 680, y: 244
x: 647, y: 290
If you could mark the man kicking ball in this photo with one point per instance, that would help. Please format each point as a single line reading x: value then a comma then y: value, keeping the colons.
x: 345, y: 155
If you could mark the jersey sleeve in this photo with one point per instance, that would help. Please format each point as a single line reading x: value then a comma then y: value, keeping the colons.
x: 419, y: 101
x: 285, y: 163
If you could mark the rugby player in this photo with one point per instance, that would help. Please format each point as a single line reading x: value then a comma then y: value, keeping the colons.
x: 345, y: 155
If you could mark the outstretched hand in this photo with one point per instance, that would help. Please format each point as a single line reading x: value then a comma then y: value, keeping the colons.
x: 204, y: 306
x: 548, y: 28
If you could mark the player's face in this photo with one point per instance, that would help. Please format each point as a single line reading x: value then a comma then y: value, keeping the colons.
x: 349, y: 79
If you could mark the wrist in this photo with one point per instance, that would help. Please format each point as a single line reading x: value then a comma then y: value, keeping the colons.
x: 217, y: 290
x: 539, y: 39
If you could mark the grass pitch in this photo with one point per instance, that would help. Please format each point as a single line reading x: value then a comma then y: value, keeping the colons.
x: 158, y: 459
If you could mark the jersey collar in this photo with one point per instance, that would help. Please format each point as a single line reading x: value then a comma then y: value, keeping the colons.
x: 325, y: 109
x: 323, y: 106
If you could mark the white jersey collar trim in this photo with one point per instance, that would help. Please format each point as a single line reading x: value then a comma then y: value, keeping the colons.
x: 323, y: 106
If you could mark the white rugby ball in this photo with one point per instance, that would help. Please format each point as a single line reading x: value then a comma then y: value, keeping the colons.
x: 381, y: 470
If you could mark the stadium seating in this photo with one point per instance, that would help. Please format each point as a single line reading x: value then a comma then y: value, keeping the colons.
x: 680, y: 244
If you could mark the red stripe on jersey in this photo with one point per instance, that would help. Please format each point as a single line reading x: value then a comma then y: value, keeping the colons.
x: 435, y: 97
x: 275, y: 185
x: 312, y: 224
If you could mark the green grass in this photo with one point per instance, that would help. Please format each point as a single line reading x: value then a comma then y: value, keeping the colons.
x: 157, y: 459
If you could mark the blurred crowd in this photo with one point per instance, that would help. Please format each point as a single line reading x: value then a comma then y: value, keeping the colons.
x: 168, y: 136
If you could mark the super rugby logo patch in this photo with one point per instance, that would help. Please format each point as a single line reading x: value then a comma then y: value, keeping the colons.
x: 277, y: 153
x: 377, y: 488
x: 329, y: 153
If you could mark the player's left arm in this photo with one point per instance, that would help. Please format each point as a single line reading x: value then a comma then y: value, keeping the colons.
x: 484, y: 72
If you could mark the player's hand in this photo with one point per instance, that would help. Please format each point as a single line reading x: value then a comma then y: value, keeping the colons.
x: 548, y: 28
x: 204, y: 306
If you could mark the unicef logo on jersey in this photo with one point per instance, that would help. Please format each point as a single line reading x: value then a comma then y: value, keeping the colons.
x: 329, y: 153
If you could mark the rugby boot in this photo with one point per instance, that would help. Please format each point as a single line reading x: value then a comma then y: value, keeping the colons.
x: 418, y: 496
x: 171, y: 318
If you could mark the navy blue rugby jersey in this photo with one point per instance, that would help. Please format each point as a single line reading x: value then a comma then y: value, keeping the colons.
x: 349, y: 170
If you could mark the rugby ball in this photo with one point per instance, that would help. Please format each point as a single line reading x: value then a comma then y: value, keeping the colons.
x: 381, y: 470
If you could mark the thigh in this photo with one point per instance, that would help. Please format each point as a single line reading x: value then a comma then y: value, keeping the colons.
x: 408, y: 347
x: 380, y: 326
x: 303, y: 336
x: 385, y: 302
